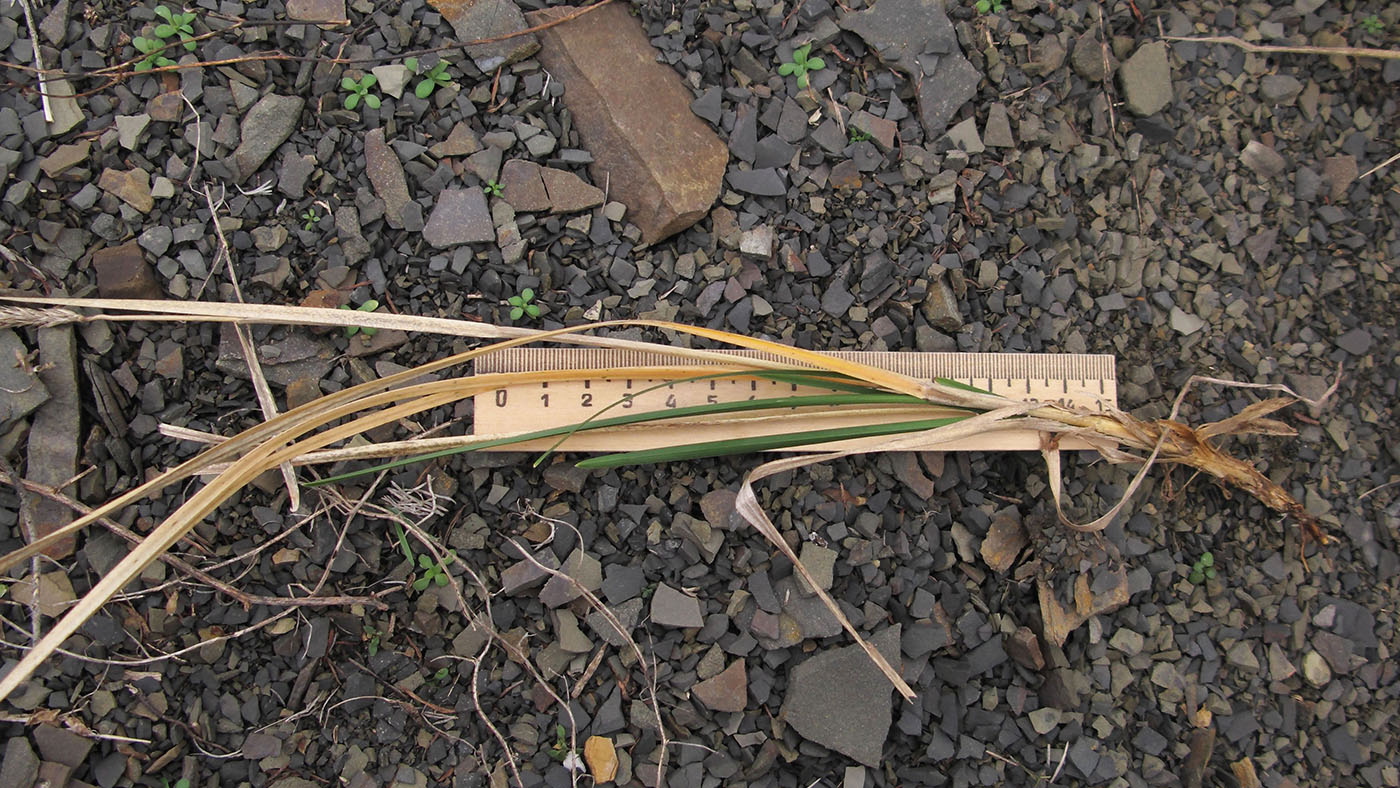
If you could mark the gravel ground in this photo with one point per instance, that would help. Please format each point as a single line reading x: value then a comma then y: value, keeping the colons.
x: 1043, y: 177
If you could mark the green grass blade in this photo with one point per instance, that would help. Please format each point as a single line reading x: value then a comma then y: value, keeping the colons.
x: 796, y: 378
x: 724, y: 448
x: 825, y: 400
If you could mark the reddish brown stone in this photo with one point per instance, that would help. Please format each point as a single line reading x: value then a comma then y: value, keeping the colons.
x: 1004, y: 541
x: 122, y: 273
x: 729, y: 691
x: 386, y: 175
x: 1023, y: 647
x: 523, y: 187
x: 657, y: 158
x: 132, y: 186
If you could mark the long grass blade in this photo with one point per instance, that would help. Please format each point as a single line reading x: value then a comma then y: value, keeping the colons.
x: 724, y: 448
x: 689, y: 411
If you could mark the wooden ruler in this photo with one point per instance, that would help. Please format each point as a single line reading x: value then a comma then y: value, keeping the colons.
x: 1081, y: 380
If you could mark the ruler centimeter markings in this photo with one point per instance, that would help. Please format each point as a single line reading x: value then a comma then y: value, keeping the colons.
x: 1079, y: 380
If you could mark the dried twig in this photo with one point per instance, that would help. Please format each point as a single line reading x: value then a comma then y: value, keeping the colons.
x: 1272, y: 49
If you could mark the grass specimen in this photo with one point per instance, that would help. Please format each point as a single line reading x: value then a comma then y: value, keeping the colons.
x: 801, y: 63
x: 358, y: 91
x: 921, y: 415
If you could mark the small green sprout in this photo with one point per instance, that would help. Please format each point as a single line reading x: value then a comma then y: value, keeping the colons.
x: 183, y: 782
x: 990, y: 6
x: 181, y: 25
x: 309, y: 218
x: 801, y: 63
x: 350, y: 331
x: 176, y: 24
x: 433, y: 572
x: 521, y: 305
x: 859, y: 136
x: 360, y: 91
x: 372, y: 639
x: 435, y: 77
x: 441, y: 675
x: 1203, y: 569
x: 152, y: 49
x: 493, y: 188
x: 403, y: 541
x: 1373, y: 25
x: 560, y: 750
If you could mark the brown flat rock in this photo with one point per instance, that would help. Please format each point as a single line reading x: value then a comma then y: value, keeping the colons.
x: 386, y: 175
x: 660, y: 160
x: 473, y: 20
x: 132, y: 186
x: 1004, y: 541
x: 64, y: 157
x: 729, y: 691
x: 122, y: 272
x: 569, y: 193
x: 460, y: 142
x: 316, y: 10
x: 522, y: 186
x: 460, y: 217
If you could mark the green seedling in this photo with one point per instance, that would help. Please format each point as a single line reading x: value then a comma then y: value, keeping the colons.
x: 350, y: 331
x: 152, y: 49
x: 801, y: 64
x: 1203, y: 569
x: 181, y: 25
x: 493, y: 188
x: 359, y: 91
x: 1373, y: 25
x: 309, y: 218
x: 990, y: 6
x: 521, y: 305
x: 183, y: 782
x: 441, y: 675
x: 433, y: 572
x: 561, y: 744
x: 372, y: 636
x: 435, y: 77
x: 859, y: 136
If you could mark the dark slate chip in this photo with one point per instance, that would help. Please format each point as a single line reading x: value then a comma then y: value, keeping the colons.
x: 743, y: 138
x: 707, y: 106
x: 767, y: 182
x: 772, y: 151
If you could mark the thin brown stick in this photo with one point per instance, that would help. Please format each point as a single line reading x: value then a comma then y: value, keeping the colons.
x: 1271, y: 49
x: 245, y: 343
x: 1380, y: 166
